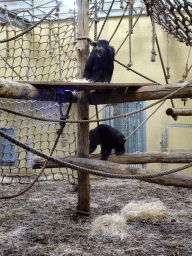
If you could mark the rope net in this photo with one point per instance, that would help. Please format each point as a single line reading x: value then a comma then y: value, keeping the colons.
x: 16, y: 163
x: 175, y: 17
x: 37, y: 44
x: 44, y: 53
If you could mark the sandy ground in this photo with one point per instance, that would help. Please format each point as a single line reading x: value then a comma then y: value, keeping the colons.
x: 44, y: 221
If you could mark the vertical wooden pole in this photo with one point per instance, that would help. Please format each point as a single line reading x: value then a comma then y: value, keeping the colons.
x: 83, y: 106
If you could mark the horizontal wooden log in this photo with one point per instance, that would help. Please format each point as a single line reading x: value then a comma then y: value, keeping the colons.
x: 115, y: 168
x: 132, y: 158
x: 143, y: 93
x: 179, y: 112
x: 18, y: 90
x: 11, y: 89
x: 149, y: 157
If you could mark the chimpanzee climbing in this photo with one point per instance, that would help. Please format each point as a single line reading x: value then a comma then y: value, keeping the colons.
x: 99, y: 66
x: 109, y: 138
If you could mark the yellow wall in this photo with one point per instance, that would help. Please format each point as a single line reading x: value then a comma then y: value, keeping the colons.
x: 179, y: 137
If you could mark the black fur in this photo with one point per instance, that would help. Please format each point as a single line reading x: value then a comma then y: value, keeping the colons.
x: 109, y: 138
x: 99, y: 66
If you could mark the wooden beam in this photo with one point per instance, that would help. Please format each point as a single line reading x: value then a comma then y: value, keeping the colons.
x: 14, y: 90
x: 83, y: 206
x: 179, y: 111
x: 84, y: 85
x: 17, y: 90
x: 148, y: 157
x: 143, y: 93
x: 116, y: 168
x: 129, y: 158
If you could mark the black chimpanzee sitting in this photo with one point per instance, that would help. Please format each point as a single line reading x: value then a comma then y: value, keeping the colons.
x: 109, y: 138
x: 99, y: 66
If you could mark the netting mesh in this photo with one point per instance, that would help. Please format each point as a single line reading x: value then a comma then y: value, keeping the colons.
x: 45, y: 52
x: 16, y: 163
x: 175, y: 17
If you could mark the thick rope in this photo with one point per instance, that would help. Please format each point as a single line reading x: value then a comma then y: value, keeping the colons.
x: 153, y: 52
x: 125, y: 9
x: 37, y: 177
x: 130, y: 30
x: 168, y: 67
x: 186, y: 71
x: 95, y: 22
x: 128, y: 68
x: 139, y: 15
x: 105, y: 19
x: 164, y: 72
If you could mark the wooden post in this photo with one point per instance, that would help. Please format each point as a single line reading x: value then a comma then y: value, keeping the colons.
x: 83, y: 106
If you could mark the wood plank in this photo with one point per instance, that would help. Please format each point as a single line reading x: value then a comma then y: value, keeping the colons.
x: 148, y: 157
x: 16, y: 90
x: 143, y: 93
x: 84, y: 85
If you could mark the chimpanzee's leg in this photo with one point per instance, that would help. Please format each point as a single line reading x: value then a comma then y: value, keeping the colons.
x: 105, y: 154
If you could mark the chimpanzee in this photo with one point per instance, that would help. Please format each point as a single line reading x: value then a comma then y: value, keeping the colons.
x: 109, y: 138
x: 99, y: 66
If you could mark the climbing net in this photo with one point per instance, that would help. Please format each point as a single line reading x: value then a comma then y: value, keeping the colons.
x: 175, y: 17
x: 37, y: 44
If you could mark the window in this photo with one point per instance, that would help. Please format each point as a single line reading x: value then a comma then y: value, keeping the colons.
x: 126, y: 125
x: 7, y: 149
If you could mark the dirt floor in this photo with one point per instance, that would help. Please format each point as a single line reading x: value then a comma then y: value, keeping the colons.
x: 43, y: 221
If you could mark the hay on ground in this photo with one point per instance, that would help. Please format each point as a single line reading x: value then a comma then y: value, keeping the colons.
x: 144, y: 211
x: 109, y: 224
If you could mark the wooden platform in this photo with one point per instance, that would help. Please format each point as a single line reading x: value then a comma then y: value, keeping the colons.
x: 84, y: 85
x: 111, y: 94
